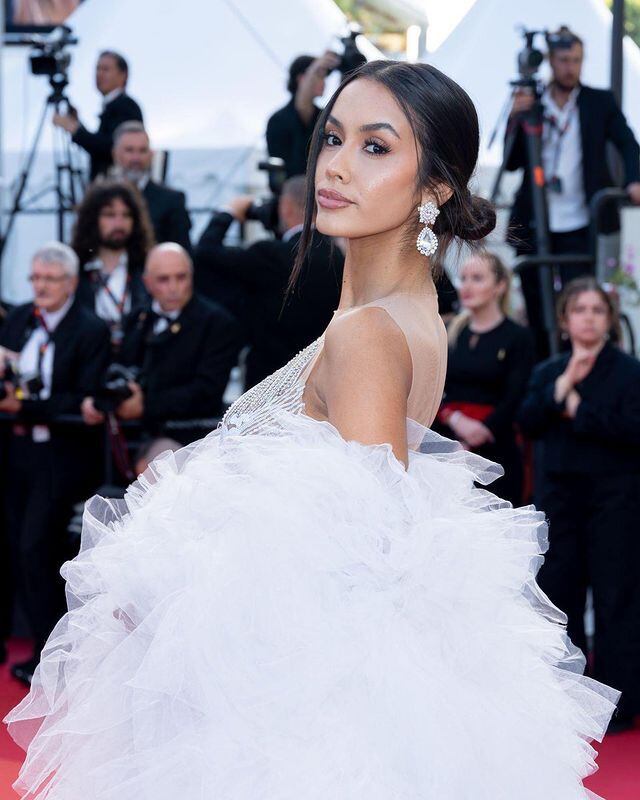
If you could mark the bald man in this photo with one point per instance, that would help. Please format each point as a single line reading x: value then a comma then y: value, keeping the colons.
x: 183, y: 346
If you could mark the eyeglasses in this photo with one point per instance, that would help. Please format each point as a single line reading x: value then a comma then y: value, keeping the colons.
x: 47, y: 278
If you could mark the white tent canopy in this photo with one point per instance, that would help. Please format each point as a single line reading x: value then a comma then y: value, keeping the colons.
x: 207, y: 75
x: 480, y: 53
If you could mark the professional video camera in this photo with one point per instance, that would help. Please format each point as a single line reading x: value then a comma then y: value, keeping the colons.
x: 49, y: 56
x: 265, y: 209
x: 115, y: 388
x: 530, y: 57
x: 351, y: 57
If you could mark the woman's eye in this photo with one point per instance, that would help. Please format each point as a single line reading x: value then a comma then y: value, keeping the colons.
x: 376, y: 148
x: 331, y: 139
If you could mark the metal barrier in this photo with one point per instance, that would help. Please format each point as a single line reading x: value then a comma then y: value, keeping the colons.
x: 545, y: 264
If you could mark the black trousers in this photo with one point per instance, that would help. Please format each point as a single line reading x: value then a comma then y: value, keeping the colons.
x: 594, y: 541
x: 561, y: 244
x: 36, y: 520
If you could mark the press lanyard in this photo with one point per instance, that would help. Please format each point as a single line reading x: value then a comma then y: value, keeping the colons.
x: 570, y: 108
x: 119, y: 304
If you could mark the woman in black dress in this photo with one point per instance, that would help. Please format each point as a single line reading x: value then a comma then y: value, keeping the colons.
x: 490, y: 359
x: 584, y: 407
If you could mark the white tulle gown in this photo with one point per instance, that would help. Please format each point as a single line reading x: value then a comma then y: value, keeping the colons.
x: 275, y: 613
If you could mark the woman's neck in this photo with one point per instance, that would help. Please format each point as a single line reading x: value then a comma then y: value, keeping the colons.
x: 485, y: 318
x: 377, y: 266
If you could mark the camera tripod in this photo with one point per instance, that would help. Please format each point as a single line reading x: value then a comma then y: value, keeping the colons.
x: 68, y: 184
x: 530, y: 124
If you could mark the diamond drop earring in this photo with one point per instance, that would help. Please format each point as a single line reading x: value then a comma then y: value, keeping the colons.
x: 427, y: 242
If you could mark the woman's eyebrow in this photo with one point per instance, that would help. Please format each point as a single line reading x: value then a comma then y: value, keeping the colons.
x: 370, y: 126
x: 376, y: 126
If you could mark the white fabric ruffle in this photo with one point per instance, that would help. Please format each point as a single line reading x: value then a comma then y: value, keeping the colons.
x: 295, y: 617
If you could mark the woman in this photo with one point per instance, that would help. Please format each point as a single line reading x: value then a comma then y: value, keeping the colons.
x: 584, y: 407
x: 490, y: 358
x: 304, y: 605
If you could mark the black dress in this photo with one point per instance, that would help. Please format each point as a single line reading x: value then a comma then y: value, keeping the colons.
x: 489, y: 372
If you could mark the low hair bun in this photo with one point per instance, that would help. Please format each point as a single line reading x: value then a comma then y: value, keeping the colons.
x: 483, y: 219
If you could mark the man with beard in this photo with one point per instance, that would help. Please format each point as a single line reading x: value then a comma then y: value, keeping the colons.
x: 112, y: 237
x: 132, y: 156
x: 578, y: 123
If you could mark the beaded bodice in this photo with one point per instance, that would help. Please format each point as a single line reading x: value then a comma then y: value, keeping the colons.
x: 257, y: 410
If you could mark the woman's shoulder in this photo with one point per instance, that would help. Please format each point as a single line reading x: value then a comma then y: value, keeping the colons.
x: 364, y: 331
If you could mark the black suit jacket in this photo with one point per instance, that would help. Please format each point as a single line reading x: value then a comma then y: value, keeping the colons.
x: 288, y: 138
x: 79, y: 360
x: 184, y: 369
x: 604, y: 437
x: 601, y: 121
x: 262, y: 271
x: 100, y: 144
x: 168, y: 212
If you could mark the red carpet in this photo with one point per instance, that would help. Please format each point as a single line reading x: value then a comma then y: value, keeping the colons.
x: 617, y: 779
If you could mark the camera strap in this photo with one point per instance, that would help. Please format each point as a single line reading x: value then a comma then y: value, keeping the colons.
x: 44, y: 346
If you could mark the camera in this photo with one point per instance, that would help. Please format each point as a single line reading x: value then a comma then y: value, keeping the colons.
x: 265, y: 209
x: 115, y: 389
x: 351, y: 57
x: 530, y: 57
x: 24, y: 385
x: 49, y: 56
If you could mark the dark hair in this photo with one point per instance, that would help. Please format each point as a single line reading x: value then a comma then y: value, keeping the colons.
x: 86, y: 238
x: 298, y: 67
x: 587, y: 283
x: 567, y: 36
x: 121, y: 61
x: 445, y: 125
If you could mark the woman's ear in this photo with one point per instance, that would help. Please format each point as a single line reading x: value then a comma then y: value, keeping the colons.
x: 439, y: 194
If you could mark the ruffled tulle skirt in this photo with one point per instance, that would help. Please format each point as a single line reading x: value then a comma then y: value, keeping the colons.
x: 295, y: 617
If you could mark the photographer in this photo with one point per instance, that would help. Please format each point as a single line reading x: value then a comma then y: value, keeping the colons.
x: 180, y: 346
x: 578, y: 123
x: 262, y: 271
x: 112, y: 236
x: 289, y: 129
x: 112, y: 73
x: 132, y: 157
x: 53, y: 354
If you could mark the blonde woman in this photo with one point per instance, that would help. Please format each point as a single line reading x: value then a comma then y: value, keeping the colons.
x: 490, y: 358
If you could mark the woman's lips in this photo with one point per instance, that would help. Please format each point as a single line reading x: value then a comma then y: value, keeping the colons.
x: 330, y: 199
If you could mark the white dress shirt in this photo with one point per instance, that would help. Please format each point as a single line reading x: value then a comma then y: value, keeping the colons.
x: 562, y: 158
x: 30, y: 355
x: 107, y: 302
x: 166, y: 317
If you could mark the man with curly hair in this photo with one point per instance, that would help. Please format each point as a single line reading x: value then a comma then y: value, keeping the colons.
x: 112, y: 237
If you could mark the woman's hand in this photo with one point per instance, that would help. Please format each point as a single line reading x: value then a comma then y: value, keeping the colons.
x: 471, y: 431
x: 572, y: 402
x: 579, y: 366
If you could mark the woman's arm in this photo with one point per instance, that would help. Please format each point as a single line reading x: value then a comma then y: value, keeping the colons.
x: 366, y: 378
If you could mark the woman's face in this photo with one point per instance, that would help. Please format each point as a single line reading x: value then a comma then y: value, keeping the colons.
x: 478, y: 287
x: 365, y: 181
x: 587, y: 320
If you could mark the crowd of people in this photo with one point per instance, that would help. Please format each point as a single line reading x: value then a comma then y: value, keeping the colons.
x: 134, y: 327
